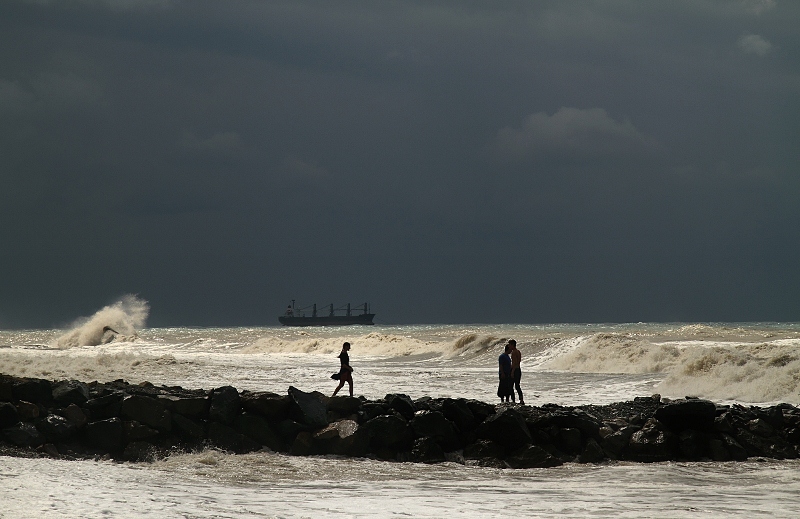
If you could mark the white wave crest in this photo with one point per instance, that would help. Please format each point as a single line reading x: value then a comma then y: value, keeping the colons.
x: 379, y: 344
x: 616, y: 353
x: 117, y: 322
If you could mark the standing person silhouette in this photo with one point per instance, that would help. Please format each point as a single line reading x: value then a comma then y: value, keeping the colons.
x: 345, y: 372
x: 516, y: 372
x: 505, y: 389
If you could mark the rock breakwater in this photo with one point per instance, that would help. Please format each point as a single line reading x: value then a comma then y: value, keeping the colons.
x: 121, y: 421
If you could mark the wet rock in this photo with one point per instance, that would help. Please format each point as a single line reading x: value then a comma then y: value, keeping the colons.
x: 147, y: 410
x: 480, y: 410
x: 271, y: 406
x: 228, y: 439
x: 133, y: 431
x: 105, y: 434
x: 105, y: 406
x: 344, y: 405
x: 55, y: 428
x: 458, y: 412
x: 8, y: 414
x: 389, y: 432
x: 32, y: 390
x: 27, y: 411
x: 484, y: 449
x: 188, y: 428
x: 506, y: 427
x: 434, y: 425
x: 760, y: 427
x: 569, y: 440
x: 225, y: 405
x: 70, y: 392
x: 427, y: 450
x: 258, y: 429
x: 75, y: 415
x: 307, y: 408
x: 402, y: 404
x: 692, y: 413
x: 733, y: 447
x: 191, y: 406
x: 532, y: 456
x: 139, y: 451
x: 23, y: 434
x: 592, y: 452
x: 651, y: 444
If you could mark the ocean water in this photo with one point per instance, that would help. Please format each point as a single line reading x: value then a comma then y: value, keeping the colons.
x: 568, y: 364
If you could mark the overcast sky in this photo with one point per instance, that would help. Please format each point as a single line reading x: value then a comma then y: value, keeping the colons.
x: 462, y: 162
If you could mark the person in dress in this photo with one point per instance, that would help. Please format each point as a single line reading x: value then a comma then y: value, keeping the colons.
x: 345, y: 371
x: 505, y: 389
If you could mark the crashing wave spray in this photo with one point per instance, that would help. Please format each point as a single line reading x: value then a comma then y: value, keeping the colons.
x: 115, y: 322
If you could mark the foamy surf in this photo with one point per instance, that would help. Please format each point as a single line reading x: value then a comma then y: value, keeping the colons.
x: 119, y: 321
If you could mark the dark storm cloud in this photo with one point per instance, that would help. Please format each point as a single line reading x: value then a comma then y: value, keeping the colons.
x: 504, y: 161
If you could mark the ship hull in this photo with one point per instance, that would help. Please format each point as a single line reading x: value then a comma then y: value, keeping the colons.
x: 328, y: 320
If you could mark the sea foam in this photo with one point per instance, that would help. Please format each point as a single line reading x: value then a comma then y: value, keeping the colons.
x: 119, y: 321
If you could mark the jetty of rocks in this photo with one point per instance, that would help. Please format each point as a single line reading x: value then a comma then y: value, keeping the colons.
x: 121, y: 421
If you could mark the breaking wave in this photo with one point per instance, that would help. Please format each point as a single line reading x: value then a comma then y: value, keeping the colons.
x: 742, y: 371
x: 118, y: 322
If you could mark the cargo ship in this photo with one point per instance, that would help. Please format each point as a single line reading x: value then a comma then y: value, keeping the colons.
x: 330, y: 316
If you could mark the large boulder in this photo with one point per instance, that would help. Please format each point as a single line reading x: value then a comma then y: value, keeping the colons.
x: 650, y: 444
x: 55, y: 428
x: 389, y: 432
x: 104, y: 435
x: 307, y: 408
x: 195, y: 406
x: 23, y: 435
x: 133, y: 431
x: 344, y: 405
x: 256, y: 427
x: 32, y: 390
x: 8, y: 415
x: 225, y: 405
x: 402, y: 404
x: 506, y: 427
x: 458, y: 412
x: 433, y: 424
x: 146, y: 410
x: 228, y: 439
x: 531, y: 457
x: 105, y: 406
x: 190, y: 429
x: 427, y: 450
x: 271, y: 406
x: 484, y: 449
x: 70, y: 392
x: 692, y: 413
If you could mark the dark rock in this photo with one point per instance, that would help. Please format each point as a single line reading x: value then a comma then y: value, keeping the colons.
x: 27, y: 411
x: 257, y: 428
x: 651, y: 444
x: 733, y: 447
x: 146, y: 410
x: 271, y: 406
x: 724, y: 423
x: 531, y: 457
x: 402, y: 404
x: 760, y: 427
x: 55, y: 428
x: 105, y: 434
x: 427, y: 450
x: 189, y: 428
x: 70, y: 392
x: 225, y: 405
x: 434, y: 425
x: 569, y: 440
x: 106, y: 406
x: 134, y: 431
x: 228, y: 439
x: 480, y: 410
x: 370, y: 410
x: 75, y: 415
x: 458, y: 412
x: 191, y: 406
x: 390, y: 432
x: 307, y: 408
x: 493, y: 463
x: 32, y: 390
x: 717, y: 450
x: 506, y: 427
x: 6, y: 388
x: 8, y: 415
x: 303, y: 445
x: 692, y: 444
x: 592, y: 453
x: 483, y: 449
x: 694, y: 414
x: 288, y: 429
x: 23, y: 435
x: 344, y: 405
x: 139, y: 451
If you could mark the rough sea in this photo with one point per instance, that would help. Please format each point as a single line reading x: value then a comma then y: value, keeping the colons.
x: 567, y: 364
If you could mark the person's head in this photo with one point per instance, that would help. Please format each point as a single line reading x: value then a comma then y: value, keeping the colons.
x: 512, y: 344
x: 508, y: 348
x: 346, y: 346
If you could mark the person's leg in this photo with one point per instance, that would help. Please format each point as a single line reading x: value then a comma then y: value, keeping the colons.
x: 341, y: 384
x: 350, y: 382
x: 517, y: 379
